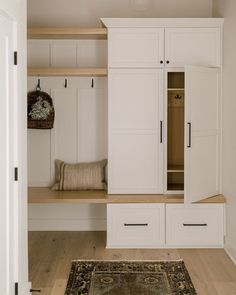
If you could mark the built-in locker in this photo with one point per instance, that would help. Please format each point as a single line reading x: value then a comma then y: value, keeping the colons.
x: 175, y: 131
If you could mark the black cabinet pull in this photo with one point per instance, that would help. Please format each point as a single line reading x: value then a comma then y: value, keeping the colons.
x: 194, y: 224
x: 135, y: 224
x: 167, y: 61
x: 161, y: 133
x: 161, y: 62
x: 189, y: 135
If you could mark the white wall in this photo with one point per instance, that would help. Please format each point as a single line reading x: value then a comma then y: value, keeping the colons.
x: 79, y: 133
x: 88, y: 12
x: 227, y: 9
x: 80, y: 128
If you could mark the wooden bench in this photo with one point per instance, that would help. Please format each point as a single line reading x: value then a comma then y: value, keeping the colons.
x: 39, y: 195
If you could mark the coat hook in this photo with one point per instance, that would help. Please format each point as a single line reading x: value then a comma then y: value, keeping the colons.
x: 38, y: 87
x: 65, y: 83
x: 92, y: 85
x: 178, y: 96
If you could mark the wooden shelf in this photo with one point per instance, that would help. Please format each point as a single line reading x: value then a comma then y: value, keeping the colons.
x: 175, y: 168
x: 67, y: 33
x: 44, y: 195
x: 176, y: 89
x: 175, y: 187
x: 67, y: 72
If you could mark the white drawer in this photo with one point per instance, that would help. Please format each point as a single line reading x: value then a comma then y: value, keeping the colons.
x: 135, y: 225
x: 195, y: 225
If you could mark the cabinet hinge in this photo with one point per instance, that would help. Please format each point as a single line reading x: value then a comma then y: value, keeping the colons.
x: 16, y: 174
x: 15, y: 58
x: 16, y: 288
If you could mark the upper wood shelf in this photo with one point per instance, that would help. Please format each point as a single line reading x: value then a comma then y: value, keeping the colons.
x: 37, y: 195
x: 67, y: 72
x: 67, y: 33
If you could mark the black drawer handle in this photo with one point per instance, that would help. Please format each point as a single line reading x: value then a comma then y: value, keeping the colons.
x: 135, y: 224
x: 194, y: 224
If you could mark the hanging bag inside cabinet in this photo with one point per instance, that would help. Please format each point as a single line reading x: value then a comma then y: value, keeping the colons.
x: 40, y: 110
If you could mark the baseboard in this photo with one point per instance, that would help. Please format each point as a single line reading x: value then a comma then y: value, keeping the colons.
x: 67, y: 224
x: 230, y: 249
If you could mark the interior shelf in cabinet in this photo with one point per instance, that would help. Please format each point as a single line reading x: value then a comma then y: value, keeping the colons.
x: 175, y: 187
x: 175, y: 168
x: 67, y: 33
x: 67, y: 72
x: 176, y: 89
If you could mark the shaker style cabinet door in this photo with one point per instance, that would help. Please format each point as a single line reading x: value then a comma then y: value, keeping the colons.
x: 135, y: 121
x: 136, y: 48
x: 202, y: 133
x: 192, y: 46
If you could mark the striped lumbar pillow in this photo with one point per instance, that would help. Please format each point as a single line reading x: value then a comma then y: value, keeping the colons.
x: 81, y: 176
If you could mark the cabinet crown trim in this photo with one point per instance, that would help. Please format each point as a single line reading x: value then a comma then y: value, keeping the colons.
x: 162, y: 22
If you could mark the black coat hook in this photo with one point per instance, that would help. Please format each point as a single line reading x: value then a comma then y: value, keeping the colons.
x: 66, y: 83
x: 178, y: 96
x: 38, y: 87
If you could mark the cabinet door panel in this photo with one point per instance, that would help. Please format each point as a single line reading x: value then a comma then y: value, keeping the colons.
x: 134, y: 164
x: 202, y: 133
x: 136, y: 47
x: 135, y: 98
x: 192, y: 46
x: 135, y: 111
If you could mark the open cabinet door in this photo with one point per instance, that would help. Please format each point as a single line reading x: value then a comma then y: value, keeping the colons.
x: 202, y: 133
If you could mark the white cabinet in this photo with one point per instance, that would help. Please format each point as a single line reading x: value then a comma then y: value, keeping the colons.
x: 135, y: 225
x: 196, y: 225
x: 135, y: 136
x: 138, y: 123
x: 136, y: 47
x: 192, y: 46
x: 159, y: 47
x: 164, y: 130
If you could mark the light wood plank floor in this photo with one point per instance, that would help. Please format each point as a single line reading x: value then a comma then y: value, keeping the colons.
x: 51, y: 253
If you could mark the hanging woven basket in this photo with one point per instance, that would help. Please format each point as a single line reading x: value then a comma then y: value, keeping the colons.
x: 40, y: 110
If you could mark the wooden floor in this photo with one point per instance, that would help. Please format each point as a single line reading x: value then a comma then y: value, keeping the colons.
x: 51, y: 253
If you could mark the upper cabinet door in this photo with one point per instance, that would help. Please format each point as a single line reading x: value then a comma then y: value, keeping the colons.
x: 202, y: 133
x: 136, y: 48
x: 192, y: 46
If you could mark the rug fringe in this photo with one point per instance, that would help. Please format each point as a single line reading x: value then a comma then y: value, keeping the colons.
x: 124, y: 260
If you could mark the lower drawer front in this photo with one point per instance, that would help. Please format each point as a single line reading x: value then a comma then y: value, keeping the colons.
x: 196, y: 225
x: 135, y: 225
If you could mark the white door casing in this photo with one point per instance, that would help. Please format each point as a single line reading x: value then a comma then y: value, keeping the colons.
x: 8, y: 212
x: 13, y: 215
x: 135, y: 152
x: 202, y: 133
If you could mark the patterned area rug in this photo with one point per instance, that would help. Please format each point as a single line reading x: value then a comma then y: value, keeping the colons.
x: 129, y: 278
